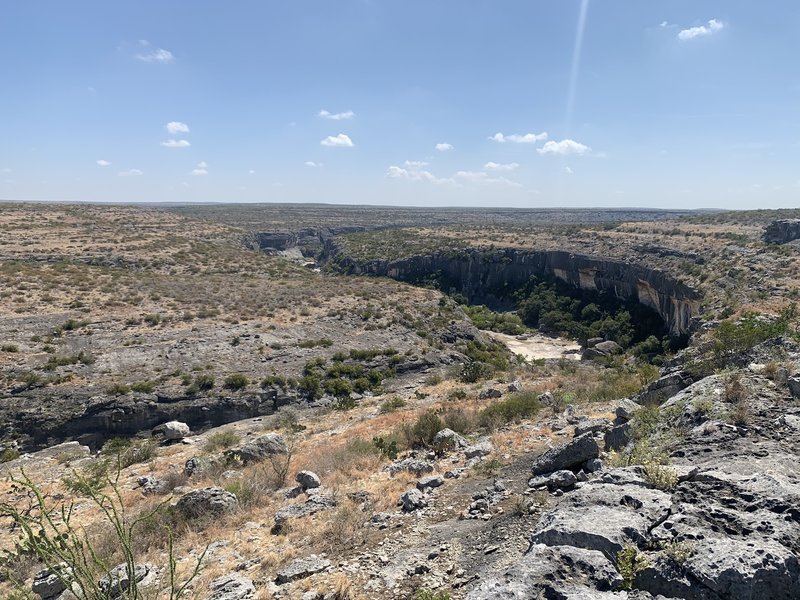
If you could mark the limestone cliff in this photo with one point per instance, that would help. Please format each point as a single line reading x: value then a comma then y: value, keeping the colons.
x: 483, y: 274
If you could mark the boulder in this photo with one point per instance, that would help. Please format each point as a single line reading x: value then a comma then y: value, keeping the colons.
x: 258, y: 449
x: 782, y: 231
x: 617, y: 437
x: 210, y: 501
x: 231, y: 587
x: 151, y: 485
x: 117, y: 581
x: 625, y: 410
x: 794, y: 385
x: 546, y: 399
x: 560, y: 480
x: 412, y: 500
x: 430, y: 482
x: 47, y: 584
x: 174, y: 430
x: 412, y: 465
x: 314, y: 504
x: 482, y: 448
x: 447, y: 439
x: 302, y: 568
x: 489, y: 393
x: 567, y: 456
x: 515, y: 386
x: 591, y: 426
x: 307, y: 480
x: 593, y: 465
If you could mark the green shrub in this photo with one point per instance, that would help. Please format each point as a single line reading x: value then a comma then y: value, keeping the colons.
x: 221, y: 440
x: 392, y: 404
x: 629, y: 564
x: 204, y: 381
x: 143, y: 387
x: 388, y: 448
x: 118, y: 389
x: 9, y: 454
x: 236, y: 381
x: 428, y: 424
x: 426, y: 594
x: 515, y: 407
x: 9, y: 348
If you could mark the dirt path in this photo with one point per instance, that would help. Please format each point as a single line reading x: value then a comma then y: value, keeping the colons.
x: 535, y: 346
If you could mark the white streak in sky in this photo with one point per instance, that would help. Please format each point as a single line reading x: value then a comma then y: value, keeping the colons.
x: 576, y: 65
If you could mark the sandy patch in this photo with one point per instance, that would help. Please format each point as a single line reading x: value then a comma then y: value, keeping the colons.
x: 535, y: 346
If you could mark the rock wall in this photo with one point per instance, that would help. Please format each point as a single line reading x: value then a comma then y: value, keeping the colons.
x: 782, y: 231
x: 484, y: 275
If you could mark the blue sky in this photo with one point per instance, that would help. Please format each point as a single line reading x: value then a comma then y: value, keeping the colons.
x: 679, y: 103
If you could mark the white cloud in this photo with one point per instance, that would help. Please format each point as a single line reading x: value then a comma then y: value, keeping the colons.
x: 516, y: 138
x: 5, y: 170
x: 483, y: 177
x: 311, y: 163
x: 201, y: 169
x: 564, y: 148
x: 395, y: 172
x: 493, y: 166
x: 252, y: 171
x: 202, y: 165
x: 416, y: 164
x: 130, y: 173
x: 103, y: 163
x: 342, y: 116
x: 177, y: 127
x: 176, y: 144
x: 444, y: 147
x: 702, y: 30
x: 155, y: 55
x: 568, y: 171
x: 338, y: 141
x: 663, y: 24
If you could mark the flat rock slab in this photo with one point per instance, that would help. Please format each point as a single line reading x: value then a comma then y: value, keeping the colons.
x: 554, y: 572
x: 567, y: 456
x: 232, y: 587
x: 302, y: 568
x: 604, y: 517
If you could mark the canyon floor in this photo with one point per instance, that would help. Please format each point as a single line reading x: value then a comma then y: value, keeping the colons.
x: 552, y: 476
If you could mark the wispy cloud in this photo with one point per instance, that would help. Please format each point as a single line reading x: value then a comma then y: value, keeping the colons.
x: 176, y: 144
x: 703, y: 30
x: 516, y: 138
x: 444, y: 147
x: 103, y: 163
x: 484, y: 178
x: 150, y: 54
x: 342, y: 116
x: 201, y: 169
x: 130, y: 173
x: 174, y: 127
x: 338, y: 141
x: 564, y: 148
x: 416, y: 164
x: 493, y: 166
x: 412, y: 174
x: 311, y: 163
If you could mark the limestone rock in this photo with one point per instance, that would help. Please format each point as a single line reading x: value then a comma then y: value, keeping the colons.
x: 118, y: 580
x: 560, y: 480
x: 412, y: 500
x: 302, y: 568
x: 430, y: 482
x: 308, y: 480
x: 210, y: 501
x: 489, y: 393
x: 258, y: 449
x: 175, y: 430
x: 231, y: 587
x: 447, y: 439
x: 482, y: 448
x: 567, y: 456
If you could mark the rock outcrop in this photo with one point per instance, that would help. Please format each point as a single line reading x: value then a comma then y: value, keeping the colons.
x: 782, y: 231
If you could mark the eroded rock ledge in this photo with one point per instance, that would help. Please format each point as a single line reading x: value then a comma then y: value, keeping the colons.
x: 483, y: 274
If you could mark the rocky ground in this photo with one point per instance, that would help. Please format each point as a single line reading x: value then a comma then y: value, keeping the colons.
x: 612, y: 485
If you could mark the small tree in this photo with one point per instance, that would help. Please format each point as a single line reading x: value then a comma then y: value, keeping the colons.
x: 50, y: 534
